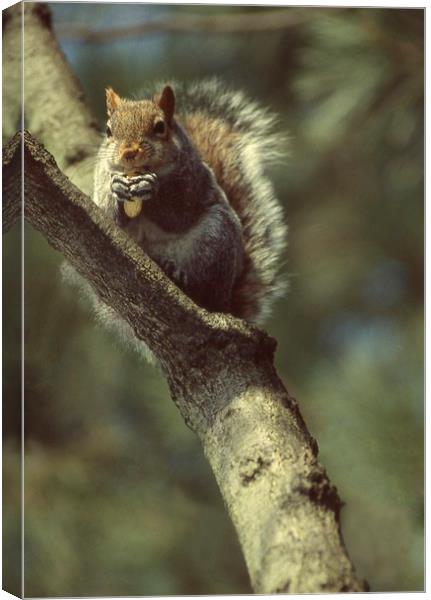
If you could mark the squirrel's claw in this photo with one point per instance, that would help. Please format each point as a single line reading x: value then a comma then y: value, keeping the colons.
x: 120, y: 188
x: 127, y: 188
x: 143, y: 186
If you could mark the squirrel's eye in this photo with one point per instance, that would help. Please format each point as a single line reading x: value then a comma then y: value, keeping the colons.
x: 108, y: 131
x: 159, y: 127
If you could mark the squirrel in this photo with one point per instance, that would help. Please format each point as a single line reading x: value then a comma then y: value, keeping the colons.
x: 182, y: 172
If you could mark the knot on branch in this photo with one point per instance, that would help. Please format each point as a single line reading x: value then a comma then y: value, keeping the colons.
x: 320, y: 491
x: 229, y: 344
x: 252, y: 468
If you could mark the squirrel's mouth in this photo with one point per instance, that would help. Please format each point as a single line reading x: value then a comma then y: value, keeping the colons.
x: 137, y: 169
x: 136, y: 164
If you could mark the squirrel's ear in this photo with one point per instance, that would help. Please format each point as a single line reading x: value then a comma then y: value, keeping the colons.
x: 112, y: 101
x: 166, y: 101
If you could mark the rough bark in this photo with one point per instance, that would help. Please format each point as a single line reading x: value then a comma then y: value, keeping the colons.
x: 219, y: 369
x: 222, y: 378
x: 11, y: 187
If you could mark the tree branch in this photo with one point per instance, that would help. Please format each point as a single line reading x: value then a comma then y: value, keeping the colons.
x: 12, y: 186
x: 221, y: 376
x: 219, y: 369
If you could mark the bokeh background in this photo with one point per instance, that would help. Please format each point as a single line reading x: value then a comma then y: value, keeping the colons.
x: 119, y: 499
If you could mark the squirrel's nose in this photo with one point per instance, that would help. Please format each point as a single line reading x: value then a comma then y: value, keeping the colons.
x: 130, y: 154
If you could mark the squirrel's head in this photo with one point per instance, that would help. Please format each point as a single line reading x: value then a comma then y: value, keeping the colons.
x: 141, y: 130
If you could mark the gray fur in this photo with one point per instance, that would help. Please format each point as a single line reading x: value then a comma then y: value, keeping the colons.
x: 258, y: 146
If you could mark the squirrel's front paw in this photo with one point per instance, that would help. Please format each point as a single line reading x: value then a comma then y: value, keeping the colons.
x: 143, y: 186
x: 120, y: 188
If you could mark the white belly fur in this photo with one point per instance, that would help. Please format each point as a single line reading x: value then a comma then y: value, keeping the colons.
x: 178, y: 248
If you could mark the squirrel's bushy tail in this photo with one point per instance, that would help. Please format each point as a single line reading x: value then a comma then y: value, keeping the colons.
x: 235, y: 137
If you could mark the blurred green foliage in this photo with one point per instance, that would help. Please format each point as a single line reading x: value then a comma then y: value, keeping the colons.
x: 119, y: 499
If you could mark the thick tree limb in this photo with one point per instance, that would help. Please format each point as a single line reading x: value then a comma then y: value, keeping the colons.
x: 219, y: 369
x: 221, y: 376
x: 12, y: 187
